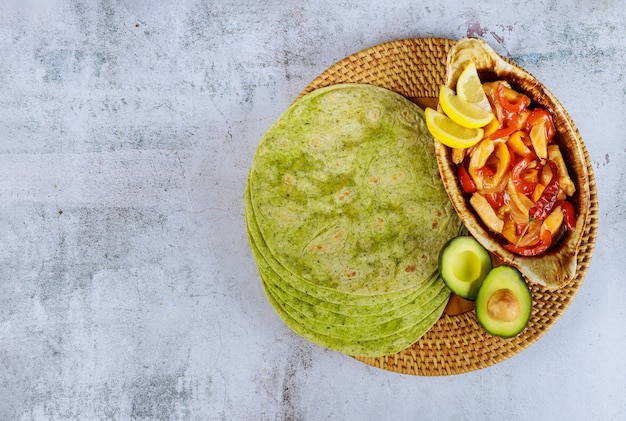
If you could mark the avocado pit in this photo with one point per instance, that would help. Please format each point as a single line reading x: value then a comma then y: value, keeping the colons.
x: 504, y: 302
x: 503, y: 305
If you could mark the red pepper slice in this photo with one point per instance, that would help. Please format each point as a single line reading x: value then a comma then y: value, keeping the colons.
x: 467, y: 184
x: 511, y: 127
x: 569, y: 216
x: 541, y: 116
x: 485, y: 172
x: 542, y: 207
x: 543, y: 244
x: 496, y: 200
x: 522, y: 185
x: 512, y: 107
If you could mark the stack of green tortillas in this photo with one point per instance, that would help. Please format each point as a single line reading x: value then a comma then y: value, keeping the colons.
x: 346, y: 215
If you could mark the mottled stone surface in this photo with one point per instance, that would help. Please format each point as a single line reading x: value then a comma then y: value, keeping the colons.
x: 127, y: 288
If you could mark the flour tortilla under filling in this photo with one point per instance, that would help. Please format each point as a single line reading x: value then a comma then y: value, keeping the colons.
x: 346, y: 215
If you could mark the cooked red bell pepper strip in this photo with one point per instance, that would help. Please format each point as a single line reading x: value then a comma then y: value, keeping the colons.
x: 522, y: 185
x: 546, y: 202
x: 485, y: 172
x: 512, y: 107
x: 544, y: 242
x: 467, y: 184
x: 511, y: 127
x: 541, y: 116
x: 569, y: 216
x: 496, y: 200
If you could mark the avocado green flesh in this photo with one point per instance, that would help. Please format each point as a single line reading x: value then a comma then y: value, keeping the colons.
x: 504, y: 281
x: 464, y: 264
x: 345, y: 215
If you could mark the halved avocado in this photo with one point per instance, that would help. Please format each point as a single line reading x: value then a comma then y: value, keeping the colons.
x: 504, y: 302
x: 464, y: 264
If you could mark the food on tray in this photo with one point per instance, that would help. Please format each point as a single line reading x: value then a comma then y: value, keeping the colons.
x: 519, y: 190
x: 522, y: 189
x: 346, y: 215
x: 346, y: 210
x: 504, y: 302
x: 463, y: 265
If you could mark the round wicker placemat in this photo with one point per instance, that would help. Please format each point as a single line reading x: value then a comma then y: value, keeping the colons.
x: 456, y: 344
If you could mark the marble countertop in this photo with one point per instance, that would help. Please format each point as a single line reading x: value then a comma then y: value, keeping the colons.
x: 127, y: 286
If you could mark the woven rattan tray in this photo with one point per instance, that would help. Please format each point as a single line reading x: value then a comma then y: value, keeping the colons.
x: 456, y: 344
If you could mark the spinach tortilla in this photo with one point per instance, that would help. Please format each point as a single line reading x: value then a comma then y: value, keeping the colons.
x: 368, y: 347
x: 346, y: 215
x: 297, y: 283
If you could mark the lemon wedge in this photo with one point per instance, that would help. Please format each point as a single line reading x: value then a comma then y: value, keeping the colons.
x: 462, y: 112
x: 450, y: 133
x: 470, y: 88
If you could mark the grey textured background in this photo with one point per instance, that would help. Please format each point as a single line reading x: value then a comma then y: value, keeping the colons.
x: 127, y: 289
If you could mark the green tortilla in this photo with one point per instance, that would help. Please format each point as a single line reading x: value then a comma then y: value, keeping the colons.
x: 347, y: 306
x: 346, y: 215
x: 265, y: 257
x: 372, y: 347
x: 383, y: 324
x: 346, y: 192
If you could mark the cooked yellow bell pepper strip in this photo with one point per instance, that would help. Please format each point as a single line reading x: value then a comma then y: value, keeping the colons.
x: 509, y: 231
x: 538, y: 191
x: 478, y: 159
x: 491, y: 128
x: 503, y: 157
x: 554, y: 220
x: 542, y: 207
x: 517, y: 144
